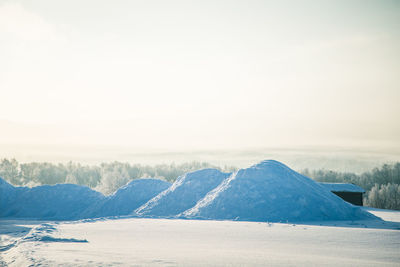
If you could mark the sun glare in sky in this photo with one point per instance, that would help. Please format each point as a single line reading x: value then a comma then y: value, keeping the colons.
x: 203, y: 74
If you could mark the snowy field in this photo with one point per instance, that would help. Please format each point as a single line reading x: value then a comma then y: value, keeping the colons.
x: 163, y: 242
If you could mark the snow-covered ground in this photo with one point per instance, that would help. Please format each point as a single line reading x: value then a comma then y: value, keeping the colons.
x: 324, y: 229
x: 163, y: 242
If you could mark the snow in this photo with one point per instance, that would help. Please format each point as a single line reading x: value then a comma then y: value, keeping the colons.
x: 387, y: 215
x: 342, y: 187
x: 7, y: 196
x: 56, y: 202
x: 128, y: 198
x: 71, y: 202
x: 272, y: 192
x: 245, y: 211
x: 162, y: 242
x: 183, y: 194
x: 267, y: 192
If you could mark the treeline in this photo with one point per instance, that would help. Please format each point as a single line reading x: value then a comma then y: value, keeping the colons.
x: 106, y: 177
x: 382, y: 185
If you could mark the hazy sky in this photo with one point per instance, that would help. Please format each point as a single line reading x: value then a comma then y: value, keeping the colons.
x: 200, y: 74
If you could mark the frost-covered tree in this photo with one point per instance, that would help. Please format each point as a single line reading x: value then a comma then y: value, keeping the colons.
x: 9, y: 170
x: 113, y: 176
x: 70, y: 179
x: 384, y: 196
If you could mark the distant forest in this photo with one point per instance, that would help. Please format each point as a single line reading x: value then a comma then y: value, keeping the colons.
x: 382, y: 185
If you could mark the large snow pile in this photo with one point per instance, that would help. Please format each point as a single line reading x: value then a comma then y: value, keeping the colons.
x: 183, y: 194
x: 270, y: 191
x: 128, y: 198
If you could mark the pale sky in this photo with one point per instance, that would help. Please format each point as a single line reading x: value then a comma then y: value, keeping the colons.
x: 200, y: 74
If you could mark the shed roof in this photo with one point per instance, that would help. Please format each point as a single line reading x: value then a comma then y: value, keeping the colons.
x: 342, y: 187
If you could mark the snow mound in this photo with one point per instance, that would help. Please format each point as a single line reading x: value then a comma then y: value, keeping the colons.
x: 5, y: 186
x: 128, y: 198
x: 183, y: 194
x: 72, y: 202
x: 7, y: 196
x: 270, y: 191
x: 55, y: 202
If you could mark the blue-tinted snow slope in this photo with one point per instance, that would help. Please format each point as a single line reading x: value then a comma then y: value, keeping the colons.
x: 183, y: 194
x: 71, y: 202
x: 270, y: 191
x: 8, y: 194
x: 50, y: 202
x: 128, y: 198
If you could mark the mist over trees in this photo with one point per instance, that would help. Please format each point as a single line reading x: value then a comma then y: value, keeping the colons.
x: 106, y: 177
x: 382, y: 185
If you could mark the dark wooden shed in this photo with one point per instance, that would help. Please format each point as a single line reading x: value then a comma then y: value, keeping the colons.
x: 348, y: 192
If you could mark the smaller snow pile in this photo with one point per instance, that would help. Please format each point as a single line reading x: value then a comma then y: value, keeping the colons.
x: 55, y: 202
x: 8, y: 194
x: 270, y: 191
x: 183, y: 194
x: 128, y: 198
